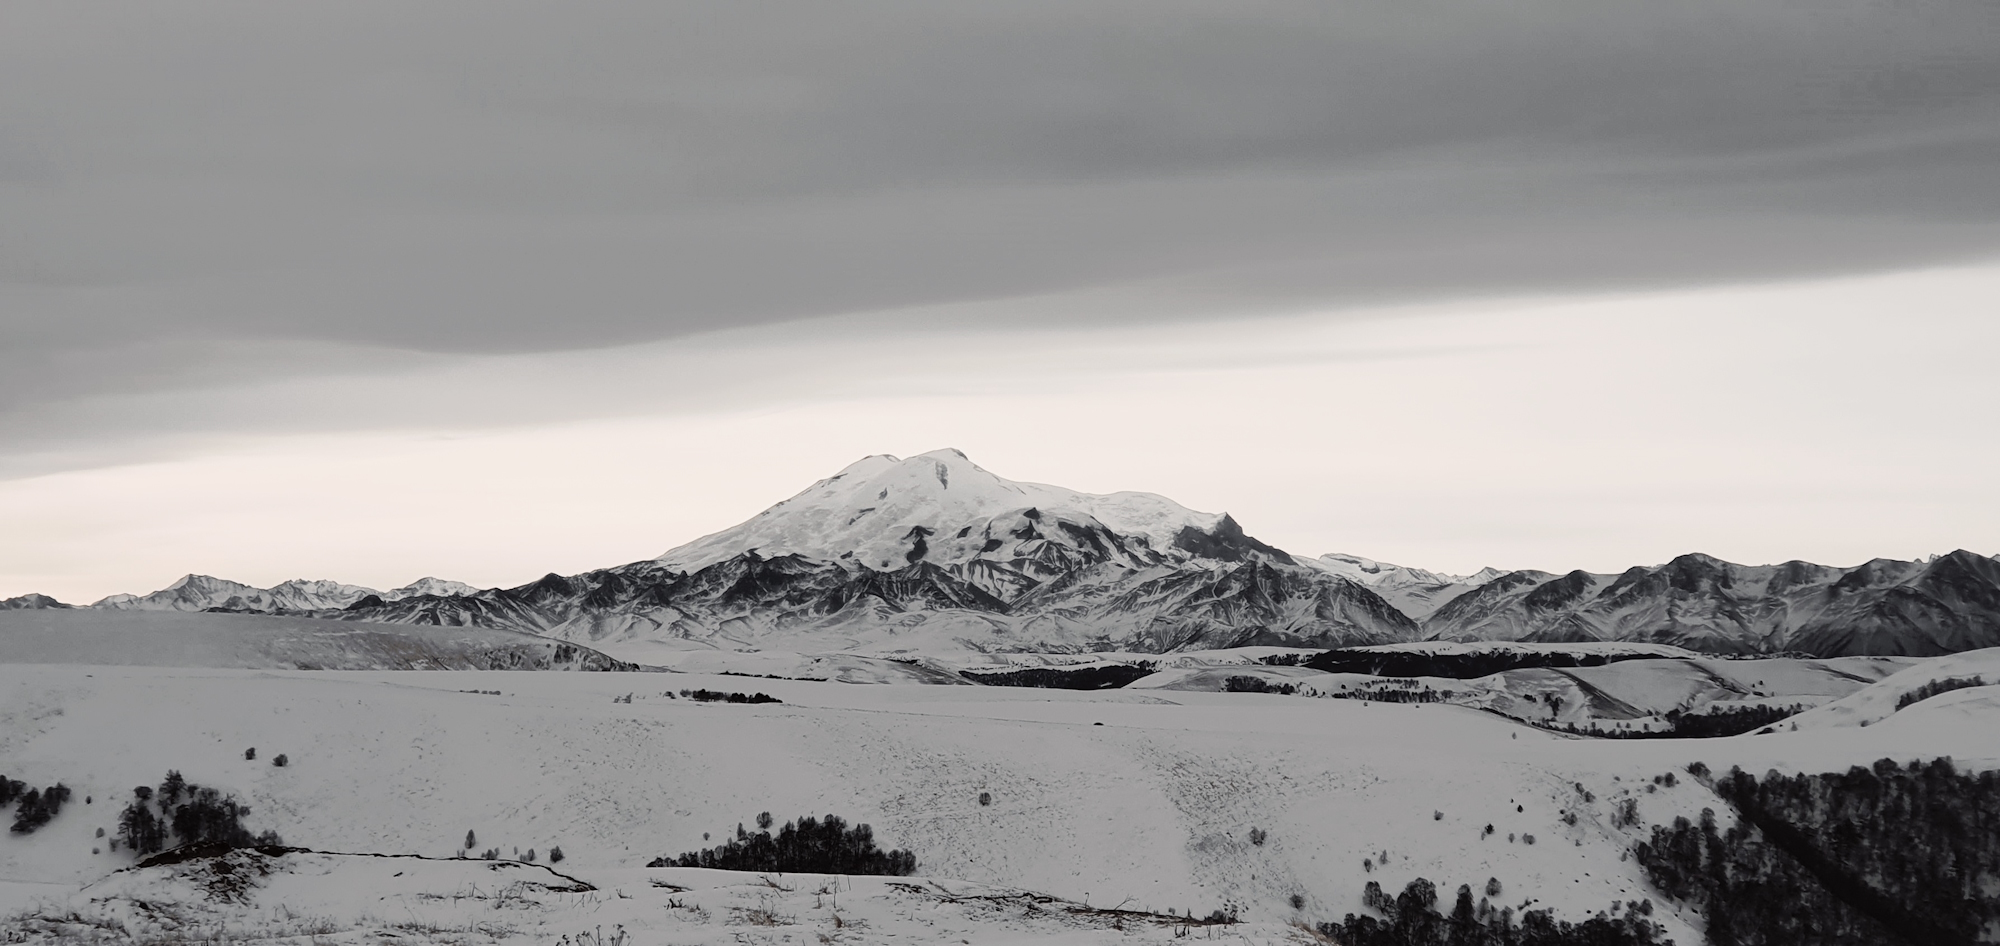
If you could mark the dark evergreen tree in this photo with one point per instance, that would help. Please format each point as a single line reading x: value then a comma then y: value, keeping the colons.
x: 181, y: 814
x: 1874, y: 855
x: 1412, y: 919
x: 39, y: 807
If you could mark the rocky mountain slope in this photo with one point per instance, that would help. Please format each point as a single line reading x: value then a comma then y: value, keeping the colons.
x: 1883, y: 607
x: 207, y: 593
x: 1416, y: 592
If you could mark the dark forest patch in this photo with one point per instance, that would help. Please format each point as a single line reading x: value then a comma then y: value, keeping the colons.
x: 1454, y: 666
x: 1886, y: 854
x: 1106, y: 677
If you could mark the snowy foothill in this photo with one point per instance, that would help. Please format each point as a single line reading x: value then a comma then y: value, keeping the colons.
x: 1155, y: 800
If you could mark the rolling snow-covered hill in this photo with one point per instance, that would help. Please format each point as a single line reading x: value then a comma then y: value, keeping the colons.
x: 261, y: 641
x: 1140, y: 798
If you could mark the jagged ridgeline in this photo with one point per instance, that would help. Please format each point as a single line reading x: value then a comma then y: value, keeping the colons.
x: 933, y: 552
x: 1892, y: 853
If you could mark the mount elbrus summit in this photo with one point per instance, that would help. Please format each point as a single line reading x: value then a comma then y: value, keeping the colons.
x: 934, y: 553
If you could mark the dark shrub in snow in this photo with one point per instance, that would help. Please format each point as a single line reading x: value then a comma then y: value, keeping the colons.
x: 181, y: 814
x: 829, y: 846
x: 39, y: 807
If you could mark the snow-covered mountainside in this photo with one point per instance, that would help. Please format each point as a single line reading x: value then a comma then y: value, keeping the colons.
x: 1884, y: 607
x: 30, y: 602
x: 1416, y: 592
x: 883, y: 512
x: 933, y: 553
x: 208, y: 593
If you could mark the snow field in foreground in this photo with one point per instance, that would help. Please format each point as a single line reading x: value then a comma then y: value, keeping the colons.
x: 328, y: 899
x: 1152, y: 809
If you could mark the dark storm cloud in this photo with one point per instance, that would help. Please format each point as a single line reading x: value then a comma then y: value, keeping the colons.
x: 455, y: 178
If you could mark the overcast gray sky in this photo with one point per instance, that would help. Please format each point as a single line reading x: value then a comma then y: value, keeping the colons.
x: 230, y: 221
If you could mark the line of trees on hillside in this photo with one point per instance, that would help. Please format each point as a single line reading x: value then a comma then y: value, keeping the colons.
x: 1242, y: 683
x: 722, y: 696
x: 1412, y: 919
x: 1105, y: 677
x: 1470, y: 666
x: 815, y: 845
x: 1884, y: 854
x: 1936, y: 687
x: 1691, y: 725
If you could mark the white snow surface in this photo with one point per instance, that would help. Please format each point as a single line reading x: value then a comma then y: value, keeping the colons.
x: 865, y: 514
x: 1137, y: 798
x: 1879, y: 704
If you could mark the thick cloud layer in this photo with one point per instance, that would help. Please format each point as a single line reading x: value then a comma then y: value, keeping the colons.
x: 197, y: 194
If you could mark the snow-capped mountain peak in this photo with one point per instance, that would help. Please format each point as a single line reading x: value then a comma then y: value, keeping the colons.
x: 429, y: 586
x: 1371, y: 572
x: 874, y: 512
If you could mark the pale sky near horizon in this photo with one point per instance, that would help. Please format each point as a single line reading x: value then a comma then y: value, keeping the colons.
x: 483, y: 291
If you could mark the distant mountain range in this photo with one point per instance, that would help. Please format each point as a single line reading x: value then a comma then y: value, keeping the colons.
x: 934, y: 553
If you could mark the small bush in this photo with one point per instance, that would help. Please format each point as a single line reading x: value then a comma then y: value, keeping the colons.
x: 1257, y: 836
x: 282, y: 760
x: 555, y: 855
x: 250, y: 754
x: 985, y: 799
